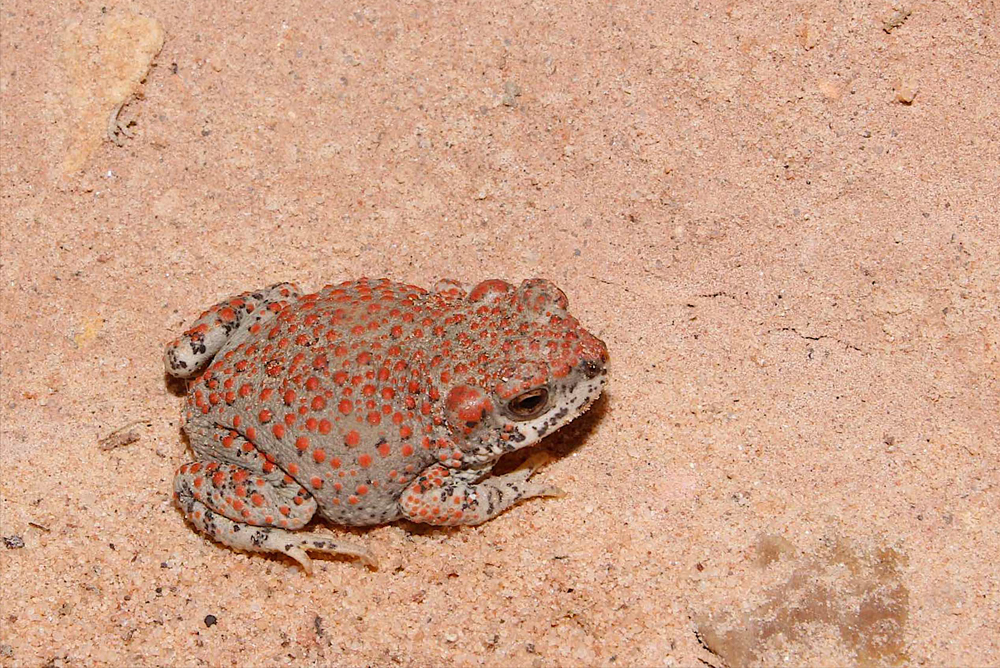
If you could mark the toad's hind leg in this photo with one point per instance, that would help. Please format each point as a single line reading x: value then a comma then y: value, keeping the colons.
x: 240, y: 498
x: 226, y: 323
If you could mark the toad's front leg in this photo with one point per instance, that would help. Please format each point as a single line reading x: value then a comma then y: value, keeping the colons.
x: 252, y: 512
x: 445, y: 496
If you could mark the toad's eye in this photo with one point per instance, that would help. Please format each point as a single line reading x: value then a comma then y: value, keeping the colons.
x: 529, y: 405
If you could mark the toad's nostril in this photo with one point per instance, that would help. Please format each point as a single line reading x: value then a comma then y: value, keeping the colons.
x: 591, y: 369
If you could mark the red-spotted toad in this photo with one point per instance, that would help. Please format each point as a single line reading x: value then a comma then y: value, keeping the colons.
x: 371, y: 401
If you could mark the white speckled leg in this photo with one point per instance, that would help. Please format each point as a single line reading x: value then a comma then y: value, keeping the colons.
x: 251, y: 538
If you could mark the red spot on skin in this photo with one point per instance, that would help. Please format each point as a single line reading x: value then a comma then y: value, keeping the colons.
x: 318, y: 403
x: 289, y: 397
x: 335, y: 463
x: 312, y: 383
x: 325, y: 426
x: 257, y: 499
x: 302, y: 443
x: 316, y: 482
x: 385, y: 449
x: 264, y: 416
x: 364, y: 461
x: 278, y: 430
x: 345, y: 406
x: 407, y: 450
x: 293, y: 469
x: 374, y: 418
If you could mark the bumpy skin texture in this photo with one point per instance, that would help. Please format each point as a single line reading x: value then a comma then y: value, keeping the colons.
x: 372, y: 401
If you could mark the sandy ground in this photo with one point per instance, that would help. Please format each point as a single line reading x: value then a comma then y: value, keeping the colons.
x: 782, y: 218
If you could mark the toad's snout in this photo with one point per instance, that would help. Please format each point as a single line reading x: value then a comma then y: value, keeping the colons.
x: 594, y: 356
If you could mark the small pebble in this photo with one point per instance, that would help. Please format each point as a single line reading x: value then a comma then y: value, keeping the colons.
x: 13, y: 542
x: 897, y: 19
x: 511, y: 91
x: 906, y: 90
x: 210, y: 620
x: 808, y: 37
